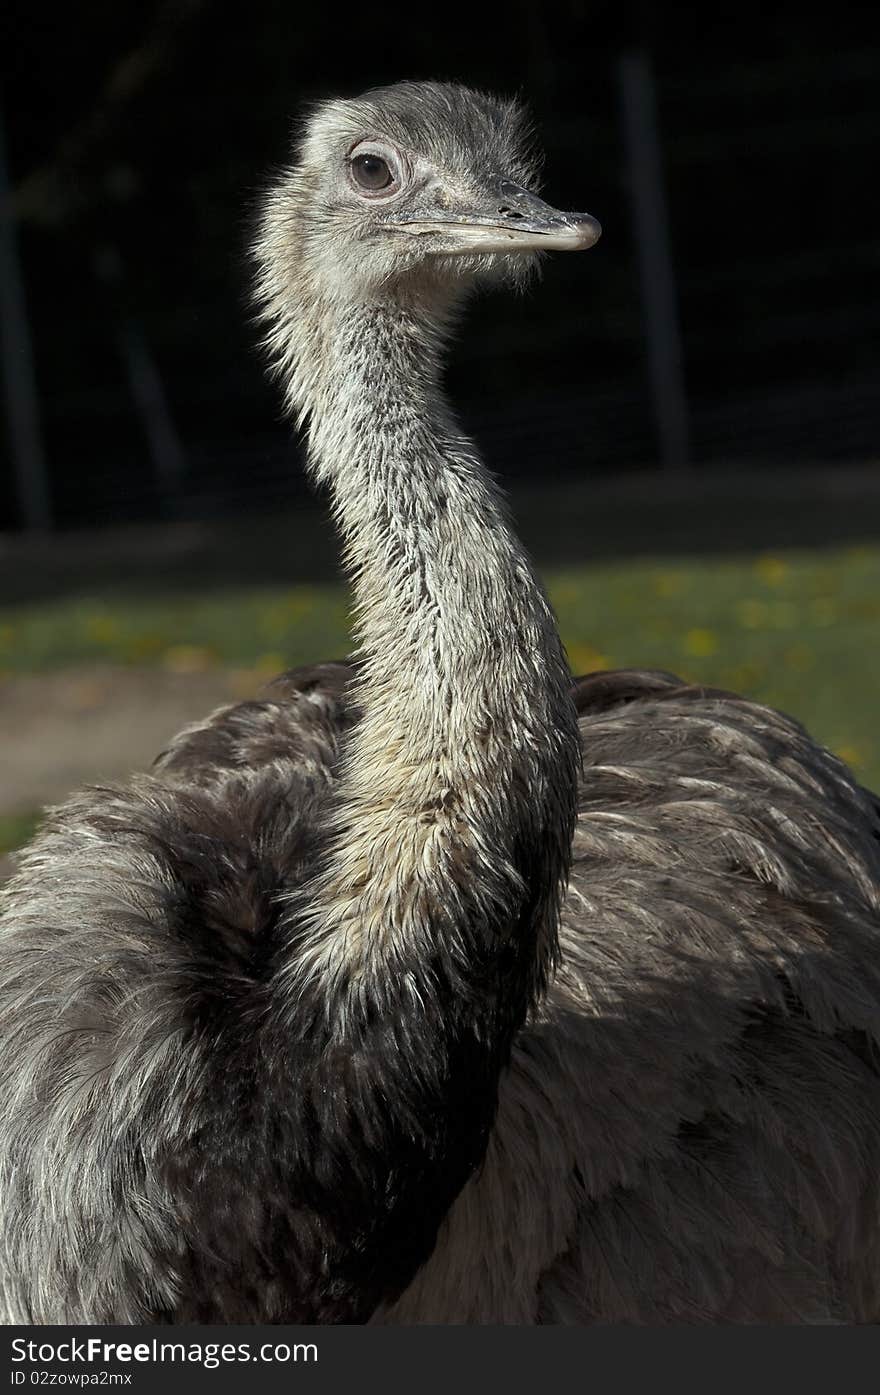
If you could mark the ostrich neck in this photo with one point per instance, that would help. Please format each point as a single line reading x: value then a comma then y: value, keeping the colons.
x: 459, y: 775
x: 416, y: 947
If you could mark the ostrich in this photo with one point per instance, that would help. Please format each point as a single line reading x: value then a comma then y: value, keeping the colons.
x: 432, y: 988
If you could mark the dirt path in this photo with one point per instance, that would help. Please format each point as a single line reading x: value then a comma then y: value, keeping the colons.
x: 62, y: 730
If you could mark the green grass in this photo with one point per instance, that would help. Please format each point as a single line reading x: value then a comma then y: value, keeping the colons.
x: 796, y: 629
x: 188, y: 630
x: 16, y: 830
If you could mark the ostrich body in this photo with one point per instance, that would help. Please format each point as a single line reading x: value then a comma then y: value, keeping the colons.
x: 377, y: 999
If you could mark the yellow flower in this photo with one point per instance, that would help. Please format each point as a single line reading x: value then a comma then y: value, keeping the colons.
x: 270, y: 664
x: 143, y: 647
x: 771, y: 570
x: 850, y: 755
x: 187, y: 658
x: 668, y: 583
x: 103, y: 629
x: 701, y: 643
x: 583, y: 658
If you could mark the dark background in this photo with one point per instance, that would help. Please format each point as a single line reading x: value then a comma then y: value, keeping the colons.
x: 138, y: 136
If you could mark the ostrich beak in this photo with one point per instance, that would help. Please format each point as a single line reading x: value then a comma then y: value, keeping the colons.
x: 508, y: 219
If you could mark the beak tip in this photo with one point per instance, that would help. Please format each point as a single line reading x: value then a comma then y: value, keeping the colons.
x: 589, y: 230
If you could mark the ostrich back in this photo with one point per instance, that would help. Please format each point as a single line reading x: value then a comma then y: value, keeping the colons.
x: 689, y: 1130
x: 689, y: 1127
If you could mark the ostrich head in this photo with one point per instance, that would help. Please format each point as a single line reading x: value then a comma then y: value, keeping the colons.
x: 416, y: 188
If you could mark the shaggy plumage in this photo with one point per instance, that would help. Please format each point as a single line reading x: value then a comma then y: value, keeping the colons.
x: 415, y: 991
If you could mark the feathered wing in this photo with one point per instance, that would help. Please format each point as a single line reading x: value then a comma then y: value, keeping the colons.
x: 297, y: 722
x: 150, y: 905
x: 689, y: 1130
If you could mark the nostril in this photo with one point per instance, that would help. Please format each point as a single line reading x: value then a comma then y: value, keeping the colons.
x: 507, y: 212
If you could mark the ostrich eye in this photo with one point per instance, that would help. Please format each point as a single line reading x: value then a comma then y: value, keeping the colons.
x: 372, y: 173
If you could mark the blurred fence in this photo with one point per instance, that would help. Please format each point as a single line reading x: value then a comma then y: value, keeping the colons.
x: 153, y: 405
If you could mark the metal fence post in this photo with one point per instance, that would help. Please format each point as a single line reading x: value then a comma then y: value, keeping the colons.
x: 653, y: 251
x: 19, y: 383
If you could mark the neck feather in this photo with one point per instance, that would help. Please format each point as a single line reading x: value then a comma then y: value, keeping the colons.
x: 454, y: 812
